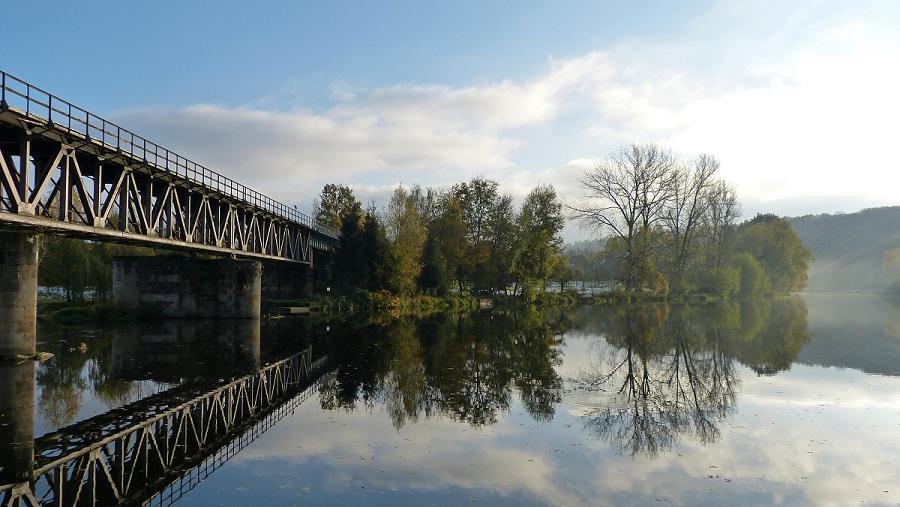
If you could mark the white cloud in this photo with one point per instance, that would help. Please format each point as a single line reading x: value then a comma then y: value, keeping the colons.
x: 803, y: 109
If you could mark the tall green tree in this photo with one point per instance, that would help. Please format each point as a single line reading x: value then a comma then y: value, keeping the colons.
x: 350, y: 259
x: 406, y: 230
x: 503, y: 244
x: 478, y: 200
x: 772, y: 241
x: 450, y: 238
x: 539, y: 223
x: 379, y: 261
x: 334, y: 203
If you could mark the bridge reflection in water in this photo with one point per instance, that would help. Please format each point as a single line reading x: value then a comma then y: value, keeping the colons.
x: 148, y: 452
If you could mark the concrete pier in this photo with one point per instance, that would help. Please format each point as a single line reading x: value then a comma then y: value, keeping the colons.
x: 286, y: 281
x: 16, y: 422
x: 188, y: 287
x: 18, y: 293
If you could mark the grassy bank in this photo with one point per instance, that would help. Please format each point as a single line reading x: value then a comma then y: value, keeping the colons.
x: 360, y: 304
x: 381, y: 305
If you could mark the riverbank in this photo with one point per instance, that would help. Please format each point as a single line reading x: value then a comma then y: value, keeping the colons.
x: 377, y: 305
x: 85, y: 312
x: 372, y: 306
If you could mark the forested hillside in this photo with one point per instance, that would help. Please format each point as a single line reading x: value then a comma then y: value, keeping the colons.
x: 853, y: 251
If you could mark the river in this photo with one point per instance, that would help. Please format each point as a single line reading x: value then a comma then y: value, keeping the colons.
x: 792, y: 401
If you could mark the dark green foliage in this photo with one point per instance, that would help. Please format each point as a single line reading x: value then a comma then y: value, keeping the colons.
x: 78, y: 266
x: 434, y: 278
x: 469, y: 238
x: 772, y: 241
x: 74, y: 265
x: 351, y: 269
x: 378, y: 256
x: 753, y: 278
x: 538, y: 244
x: 363, y: 258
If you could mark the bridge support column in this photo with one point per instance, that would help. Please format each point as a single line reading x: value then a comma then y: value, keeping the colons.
x: 18, y: 293
x: 281, y: 280
x: 16, y: 422
x: 187, y: 287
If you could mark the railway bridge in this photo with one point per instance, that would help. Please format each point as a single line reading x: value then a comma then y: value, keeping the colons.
x: 68, y: 172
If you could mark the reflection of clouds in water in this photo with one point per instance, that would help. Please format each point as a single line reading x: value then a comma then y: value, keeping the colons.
x: 838, y: 457
x: 428, y: 456
x: 807, y: 386
x: 797, y: 435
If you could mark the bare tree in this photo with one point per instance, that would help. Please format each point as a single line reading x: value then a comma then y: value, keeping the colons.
x: 687, y: 208
x: 720, y: 221
x: 627, y: 194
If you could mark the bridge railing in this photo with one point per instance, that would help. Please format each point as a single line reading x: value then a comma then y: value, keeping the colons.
x: 41, y: 105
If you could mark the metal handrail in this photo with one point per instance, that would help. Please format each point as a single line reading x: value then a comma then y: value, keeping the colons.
x: 41, y: 105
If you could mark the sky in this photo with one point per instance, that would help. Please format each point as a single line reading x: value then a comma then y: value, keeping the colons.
x: 799, y: 100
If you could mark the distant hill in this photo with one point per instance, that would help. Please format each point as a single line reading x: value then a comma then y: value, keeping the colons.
x: 849, y: 248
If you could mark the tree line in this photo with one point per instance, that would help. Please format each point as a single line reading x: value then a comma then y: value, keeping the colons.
x: 671, y: 226
x: 664, y: 226
x: 469, y: 238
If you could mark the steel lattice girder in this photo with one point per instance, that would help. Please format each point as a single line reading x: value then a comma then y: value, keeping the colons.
x: 96, y: 180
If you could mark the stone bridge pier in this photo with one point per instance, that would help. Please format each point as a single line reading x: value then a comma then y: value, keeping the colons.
x: 18, y: 293
x: 281, y: 280
x: 173, y: 286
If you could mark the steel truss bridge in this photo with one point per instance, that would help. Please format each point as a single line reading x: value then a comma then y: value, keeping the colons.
x: 68, y: 171
x: 157, y: 449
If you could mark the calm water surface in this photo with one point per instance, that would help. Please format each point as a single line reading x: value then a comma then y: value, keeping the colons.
x: 787, y: 402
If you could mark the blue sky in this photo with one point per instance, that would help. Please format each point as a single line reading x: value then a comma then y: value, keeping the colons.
x: 798, y: 99
x: 177, y: 53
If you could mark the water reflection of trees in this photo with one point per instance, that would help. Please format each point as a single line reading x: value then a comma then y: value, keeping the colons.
x: 121, y: 364
x: 461, y: 366
x: 665, y: 372
x: 74, y: 369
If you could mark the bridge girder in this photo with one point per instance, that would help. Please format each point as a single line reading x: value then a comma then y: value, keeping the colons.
x: 65, y: 171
